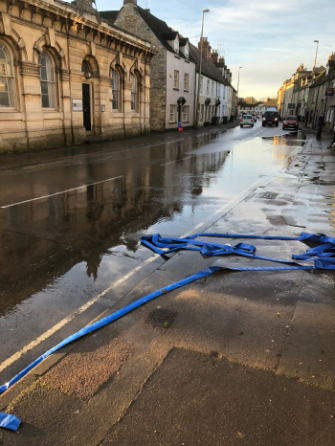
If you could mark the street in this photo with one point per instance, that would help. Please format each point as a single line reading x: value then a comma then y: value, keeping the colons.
x: 70, y: 247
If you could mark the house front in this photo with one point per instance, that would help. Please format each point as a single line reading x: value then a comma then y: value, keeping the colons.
x: 172, y: 93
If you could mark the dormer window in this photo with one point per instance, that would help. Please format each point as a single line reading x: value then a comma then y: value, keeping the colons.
x: 187, y: 52
x: 176, y: 46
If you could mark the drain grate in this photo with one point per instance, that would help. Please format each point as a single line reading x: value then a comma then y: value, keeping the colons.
x: 161, y: 318
x: 268, y: 195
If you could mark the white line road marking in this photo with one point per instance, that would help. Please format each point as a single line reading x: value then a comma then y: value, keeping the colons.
x: 175, y: 161
x: 68, y: 319
x: 199, y: 225
x: 59, y: 193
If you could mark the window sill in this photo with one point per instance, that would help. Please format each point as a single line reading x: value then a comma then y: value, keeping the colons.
x: 185, y: 91
x: 49, y: 110
x: 177, y: 57
x: 187, y: 61
x: 8, y: 110
x: 176, y: 89
x: 175, y: 122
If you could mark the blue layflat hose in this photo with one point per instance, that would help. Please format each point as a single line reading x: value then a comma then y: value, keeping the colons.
x: 323, y: 256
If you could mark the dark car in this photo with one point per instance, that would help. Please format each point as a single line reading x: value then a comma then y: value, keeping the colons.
x: 270, y: 118
x: 291, y: 122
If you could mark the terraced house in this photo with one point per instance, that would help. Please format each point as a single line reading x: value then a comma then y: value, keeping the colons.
x: 172, y: 96
x: 67, y: 75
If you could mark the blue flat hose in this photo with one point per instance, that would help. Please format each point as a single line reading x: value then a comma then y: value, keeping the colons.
x: 323, y: 256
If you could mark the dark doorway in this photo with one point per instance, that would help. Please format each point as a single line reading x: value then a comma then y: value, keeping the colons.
x: 87, y: 106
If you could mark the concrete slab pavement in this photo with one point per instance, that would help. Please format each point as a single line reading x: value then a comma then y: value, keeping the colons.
x: 248, y: 360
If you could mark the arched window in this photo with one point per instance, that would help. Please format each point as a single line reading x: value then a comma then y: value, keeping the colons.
x: 133, y: 92
x: 6, y: 77
x: 48, y: 80
x: 115, y: 85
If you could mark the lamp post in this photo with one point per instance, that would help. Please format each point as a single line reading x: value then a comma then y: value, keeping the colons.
x: 200, y: 65
x: 316, y: 54
x: 238, y: 80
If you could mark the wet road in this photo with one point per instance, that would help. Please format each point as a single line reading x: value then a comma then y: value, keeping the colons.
x: 70, y: 231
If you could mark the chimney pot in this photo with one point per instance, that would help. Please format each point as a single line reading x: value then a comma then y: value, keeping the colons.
x: 126, y: 2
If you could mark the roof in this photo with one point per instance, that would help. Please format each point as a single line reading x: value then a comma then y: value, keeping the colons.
x: 208, y: 67
x: 183, y: 41
x: 161, y: 30
x: 109, y: 15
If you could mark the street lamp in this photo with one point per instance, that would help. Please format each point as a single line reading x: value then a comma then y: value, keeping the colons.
x: 238, y: 80
x: 316, y: 54
x: 200, y: 65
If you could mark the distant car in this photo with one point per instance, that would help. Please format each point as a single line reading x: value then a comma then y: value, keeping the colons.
x: 291, y: 122
x: 270, y: 118
x: 247, y: 120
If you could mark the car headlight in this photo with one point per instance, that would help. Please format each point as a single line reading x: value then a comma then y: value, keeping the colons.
x: 276, y: 119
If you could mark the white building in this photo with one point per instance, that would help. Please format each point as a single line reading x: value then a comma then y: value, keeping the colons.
x: 216, y: 93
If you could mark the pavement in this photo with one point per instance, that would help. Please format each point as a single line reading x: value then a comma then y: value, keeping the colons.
x: 249, y: 358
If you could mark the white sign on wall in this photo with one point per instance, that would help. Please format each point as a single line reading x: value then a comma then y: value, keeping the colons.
x: 77, y: 105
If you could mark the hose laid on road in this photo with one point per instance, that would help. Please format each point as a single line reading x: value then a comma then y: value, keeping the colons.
x: 323, y: 256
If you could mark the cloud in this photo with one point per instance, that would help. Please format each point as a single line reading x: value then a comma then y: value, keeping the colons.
x: 270, y: 40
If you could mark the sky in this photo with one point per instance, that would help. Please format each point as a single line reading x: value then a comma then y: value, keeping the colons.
x: 268, y: 40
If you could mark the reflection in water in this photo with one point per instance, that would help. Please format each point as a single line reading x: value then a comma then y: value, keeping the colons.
x: 47, y: 237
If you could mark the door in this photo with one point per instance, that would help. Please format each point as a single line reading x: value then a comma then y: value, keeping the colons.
x: 87, y: 106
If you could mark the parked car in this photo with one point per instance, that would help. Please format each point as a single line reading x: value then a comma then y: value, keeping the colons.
x: 291, y: 122
x: 270, y: 118
x: 247, y: 120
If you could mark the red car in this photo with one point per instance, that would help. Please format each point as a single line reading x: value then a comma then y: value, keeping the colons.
x: 291, y: 122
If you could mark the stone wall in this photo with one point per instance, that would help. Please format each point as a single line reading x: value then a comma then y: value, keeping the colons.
x: 131, y: 21
x: 28, y: 30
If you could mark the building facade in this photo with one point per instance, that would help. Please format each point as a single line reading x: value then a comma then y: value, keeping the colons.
x: 172, y: 70
x: 217, y: 97
x: 67, y: 75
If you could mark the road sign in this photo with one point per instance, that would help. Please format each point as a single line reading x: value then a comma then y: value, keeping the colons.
x: 329, y: 93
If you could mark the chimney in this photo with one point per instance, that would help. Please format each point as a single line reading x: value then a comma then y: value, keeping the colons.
x: 331, y: 61
x: 214, y: 56
x: 126, y: 2
x: 221, y: 59
x: 206, y: 48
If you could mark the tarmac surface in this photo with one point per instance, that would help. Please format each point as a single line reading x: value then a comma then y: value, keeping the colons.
x: 249, y: 356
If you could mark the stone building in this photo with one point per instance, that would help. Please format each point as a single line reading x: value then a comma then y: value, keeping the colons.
x: 172, y: 70
x: 66, y: 74
x: 321, y: 97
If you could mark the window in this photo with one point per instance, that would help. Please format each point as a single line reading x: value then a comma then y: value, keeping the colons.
x: 207, y: 87
x: 219, y: 111
x: 186, y: 79
x: 314, y: 98
x: 212, y: 90
x: 133, y: 92
x: 186, y: 52
x: 202, y: 112
x: 185, y: 112
x: 176, y: 46
x: 115, y: 84
x: 173, y: 114
x: 328, y: 115
x: 201, y: 84
x: 176, y: 79
x: 6, y: 77
x: 48, y: 81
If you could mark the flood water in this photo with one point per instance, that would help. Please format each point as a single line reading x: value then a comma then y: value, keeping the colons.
x: 60, y: 251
